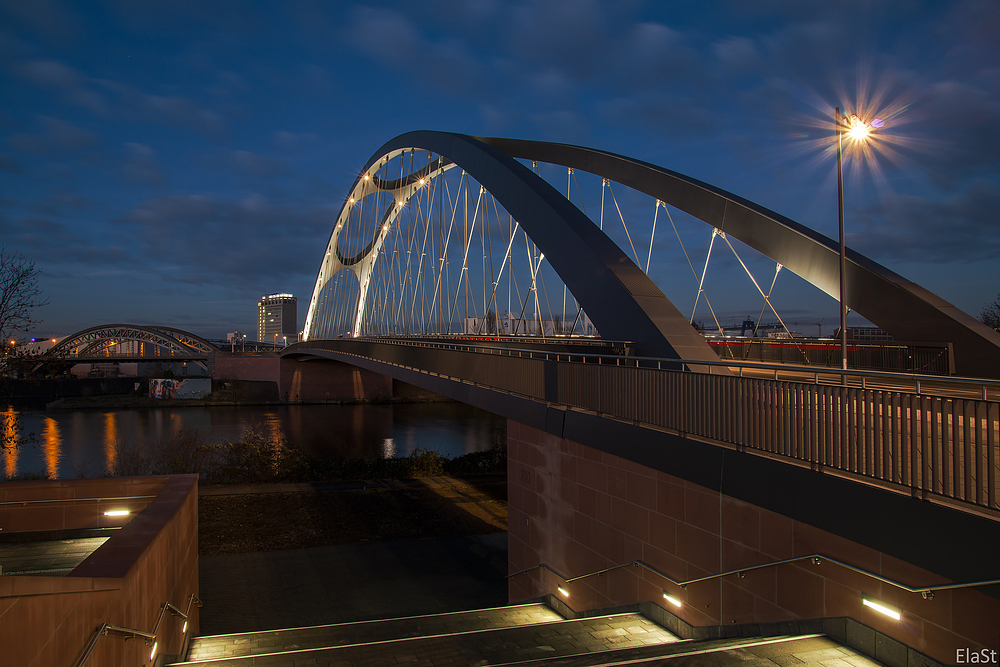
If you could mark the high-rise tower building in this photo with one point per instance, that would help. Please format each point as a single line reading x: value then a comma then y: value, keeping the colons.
x: 277, y: 319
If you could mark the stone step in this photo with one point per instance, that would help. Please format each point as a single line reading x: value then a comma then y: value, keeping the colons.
x: 804, y: 651
x: 321, y: 636
x: 495, y: 646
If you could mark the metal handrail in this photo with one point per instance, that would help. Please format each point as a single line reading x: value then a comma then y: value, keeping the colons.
x: 817, y: 559
x: 688, y: 363
x: 132, y: 633
x: 73, y: 500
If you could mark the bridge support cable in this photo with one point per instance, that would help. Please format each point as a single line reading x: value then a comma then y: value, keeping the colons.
x: 774, y: 280
x: 701, y: 281
x: 767, y: 300
x: 624, y: 226
x: 444, y: 250
x: 652, y: 234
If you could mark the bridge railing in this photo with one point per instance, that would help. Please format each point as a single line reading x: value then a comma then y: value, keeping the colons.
x: 882, y: 428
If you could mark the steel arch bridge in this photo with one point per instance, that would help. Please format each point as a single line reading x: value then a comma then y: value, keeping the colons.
x: 385, y: 253
x: 163, y: 343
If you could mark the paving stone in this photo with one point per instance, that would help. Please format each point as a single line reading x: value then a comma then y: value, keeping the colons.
x: 367, y: 631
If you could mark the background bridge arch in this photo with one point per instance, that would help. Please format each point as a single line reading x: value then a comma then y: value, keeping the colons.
x: 176, y: 342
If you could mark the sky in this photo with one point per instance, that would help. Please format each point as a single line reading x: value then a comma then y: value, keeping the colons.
x: 170, y: 162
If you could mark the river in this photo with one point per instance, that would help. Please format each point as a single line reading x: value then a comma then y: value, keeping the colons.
x: 82, y: 443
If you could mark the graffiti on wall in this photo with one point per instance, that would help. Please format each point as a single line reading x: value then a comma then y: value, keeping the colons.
x: 188, y: 388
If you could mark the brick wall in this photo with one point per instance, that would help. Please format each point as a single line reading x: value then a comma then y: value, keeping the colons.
x: 578, y: 510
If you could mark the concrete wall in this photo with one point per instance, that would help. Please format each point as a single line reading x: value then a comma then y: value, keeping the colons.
x: 578, y: 510
x: 46, y: 621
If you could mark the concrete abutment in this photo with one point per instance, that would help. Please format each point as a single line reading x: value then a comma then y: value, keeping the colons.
x: 579, y: 509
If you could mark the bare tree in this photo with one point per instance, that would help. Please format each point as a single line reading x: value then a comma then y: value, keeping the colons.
x: 991, y: 314
x: 19, y: 293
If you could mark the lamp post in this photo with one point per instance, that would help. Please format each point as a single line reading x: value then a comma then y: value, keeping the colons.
x: 859, y: 131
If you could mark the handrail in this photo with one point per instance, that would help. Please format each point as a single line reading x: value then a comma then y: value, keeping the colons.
x: 74, y: 500
x: 817, y: 559
x: 687, y: 363
x: 131, y: 633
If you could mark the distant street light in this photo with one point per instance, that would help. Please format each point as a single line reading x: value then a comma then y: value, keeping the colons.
x: 861, y: 132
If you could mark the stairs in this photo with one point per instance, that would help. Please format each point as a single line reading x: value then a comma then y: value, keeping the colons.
x: 530, y: 634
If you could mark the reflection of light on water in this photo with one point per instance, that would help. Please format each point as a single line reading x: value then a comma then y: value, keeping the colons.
x: 12, y: 440
x: 110, y: 440
x: 388, y: 448
x: 52, y: 445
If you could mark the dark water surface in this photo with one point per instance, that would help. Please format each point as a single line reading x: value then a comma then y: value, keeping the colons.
x: 81, y: 443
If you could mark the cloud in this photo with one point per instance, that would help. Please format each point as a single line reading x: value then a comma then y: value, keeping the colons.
x: 52, y: 19
x: 291, y: 140
x: 393, y: 40
x: 210, y: 239
x: 964, y: 228
x: 737, y: 53
x: 10, y: 165
x: 142, y: 166
x: 256, y: 165
x: 58, y: 76
x: 56, y: 136
x: 169, y: 110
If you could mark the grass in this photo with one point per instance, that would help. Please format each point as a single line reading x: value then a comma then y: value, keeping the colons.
x: 273, y: 521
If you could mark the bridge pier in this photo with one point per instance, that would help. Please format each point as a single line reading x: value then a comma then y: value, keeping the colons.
x: 579, y: 509
x: 314, y: 380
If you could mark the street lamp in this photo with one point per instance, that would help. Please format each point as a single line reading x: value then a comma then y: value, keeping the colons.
x: 859, y: 131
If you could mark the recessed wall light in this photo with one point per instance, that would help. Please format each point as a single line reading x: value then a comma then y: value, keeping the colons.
x: 116, y: 513
x: 671, y: 599
x: 881, y: 607
x: 563, y: 591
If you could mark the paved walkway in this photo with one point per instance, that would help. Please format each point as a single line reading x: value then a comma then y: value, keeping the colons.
x: 51, y: 558
x: 366, y: 632
x: 337, y: 584
x: 489, y: 647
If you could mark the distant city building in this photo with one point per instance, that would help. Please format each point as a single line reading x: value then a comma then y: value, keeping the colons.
x: 277, y: 319
x: 867, y: 333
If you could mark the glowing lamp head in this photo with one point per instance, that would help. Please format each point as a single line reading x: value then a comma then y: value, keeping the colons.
x: 857, y: 128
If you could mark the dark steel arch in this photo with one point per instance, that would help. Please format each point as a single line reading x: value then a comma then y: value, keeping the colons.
x: 620, y: 299
x: 900, y: 307
x: 184, y: 344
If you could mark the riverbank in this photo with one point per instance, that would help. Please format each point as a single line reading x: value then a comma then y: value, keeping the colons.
x: 292, y: 555
x: 275, y: 517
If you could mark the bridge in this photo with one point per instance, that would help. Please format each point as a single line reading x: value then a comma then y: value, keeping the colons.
x: 643, y: 469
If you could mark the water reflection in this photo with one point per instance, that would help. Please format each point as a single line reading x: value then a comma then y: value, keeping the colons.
x: 52, y: 446
x: 86, y: 443
x: 11, y: 440
x: 388, y: 448
x: 111, y: 441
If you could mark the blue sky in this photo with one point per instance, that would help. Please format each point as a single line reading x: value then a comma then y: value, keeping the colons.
x: 170, y: 162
